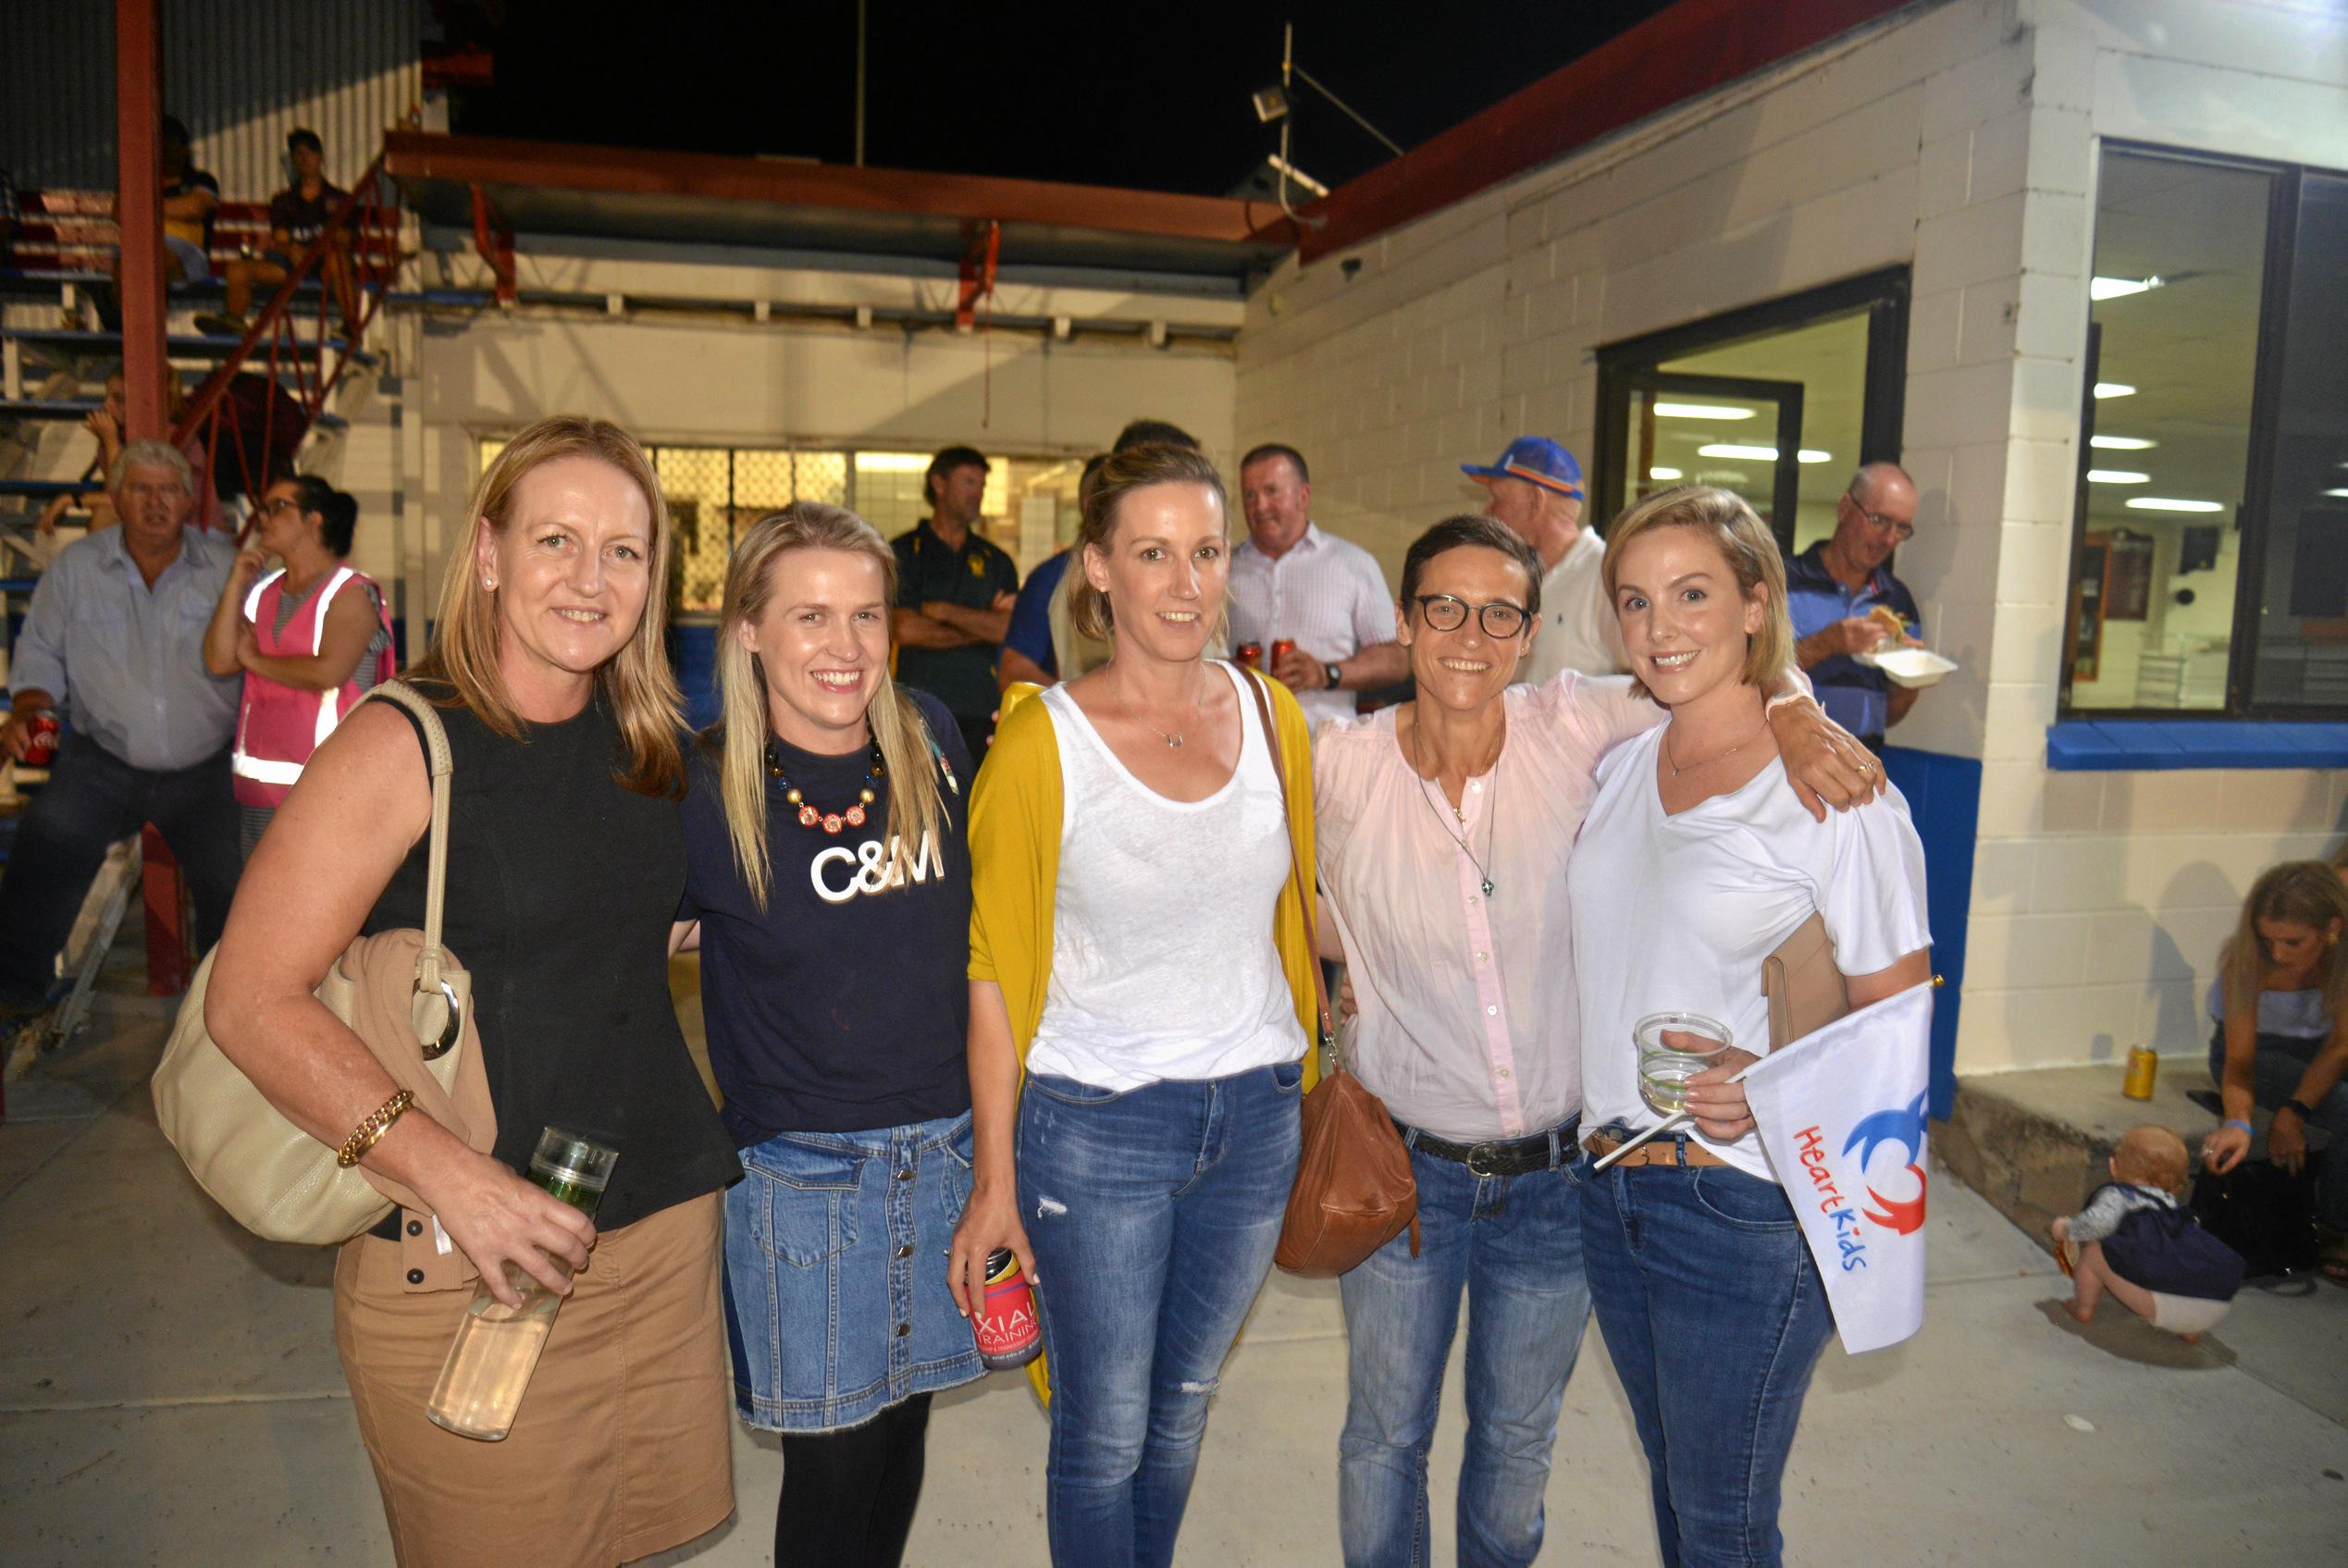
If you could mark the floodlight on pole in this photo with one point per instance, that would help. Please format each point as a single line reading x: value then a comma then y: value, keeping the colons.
x: 1278, y: 102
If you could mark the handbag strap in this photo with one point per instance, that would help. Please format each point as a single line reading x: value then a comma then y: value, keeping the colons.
x: 430, y: 958
x: 1258, y: 688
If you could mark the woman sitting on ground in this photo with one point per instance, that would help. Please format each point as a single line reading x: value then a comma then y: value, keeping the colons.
x: 2280, y: 1004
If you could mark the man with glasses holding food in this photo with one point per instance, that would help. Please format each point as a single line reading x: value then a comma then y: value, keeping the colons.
x: 1845, y: 602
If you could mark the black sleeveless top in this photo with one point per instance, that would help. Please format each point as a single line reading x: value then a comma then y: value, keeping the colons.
x: 562, y: 888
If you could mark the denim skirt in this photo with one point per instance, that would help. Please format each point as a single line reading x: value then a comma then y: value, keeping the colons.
x: 837, y: 1305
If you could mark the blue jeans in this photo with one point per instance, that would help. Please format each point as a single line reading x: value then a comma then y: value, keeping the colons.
x: 2281, y: 1063
x: 1153, y: 1214
x: 1715, y: 1314
x: 1514, y: 1243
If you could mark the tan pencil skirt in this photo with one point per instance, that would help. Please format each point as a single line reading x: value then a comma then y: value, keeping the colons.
x: 624, y: 1446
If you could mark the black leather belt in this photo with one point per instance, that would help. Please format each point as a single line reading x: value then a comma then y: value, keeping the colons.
x: 1556, y: 1148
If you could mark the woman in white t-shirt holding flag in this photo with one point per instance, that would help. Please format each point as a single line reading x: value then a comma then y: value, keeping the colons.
x: 1694, y: 864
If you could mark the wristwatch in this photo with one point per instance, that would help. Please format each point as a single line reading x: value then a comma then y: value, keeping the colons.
x: 1330, y: 674
x: 2300, y: 1107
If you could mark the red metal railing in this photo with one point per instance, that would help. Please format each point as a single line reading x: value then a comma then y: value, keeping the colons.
x: 274, y: 342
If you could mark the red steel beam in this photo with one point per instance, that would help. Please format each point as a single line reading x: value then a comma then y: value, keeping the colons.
x: 484, y: 160
x: 1677, y: 54
x: 138, y: 207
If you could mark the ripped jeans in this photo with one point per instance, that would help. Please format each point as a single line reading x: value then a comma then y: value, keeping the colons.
x: 1154, y: 1213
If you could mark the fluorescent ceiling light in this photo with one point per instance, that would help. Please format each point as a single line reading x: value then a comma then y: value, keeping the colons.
x: 2114, y: 390
x: 1701, y: 410
x: 1811, y: 454
x: 2166, y: 503
x: 2342, y: 493
x: 1665, y: 474
x: 1731, y: 449
x: 2115, y: 476
x: 891, y: 463
x: 2118, y: 288
x: 2121, y: 443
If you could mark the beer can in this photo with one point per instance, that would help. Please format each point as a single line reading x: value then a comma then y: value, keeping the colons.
x: 2142, y: 1068
x: 1281, y: 649
x: 1009, y: 1334
x: 1251, y: 654
x: 40, y: 738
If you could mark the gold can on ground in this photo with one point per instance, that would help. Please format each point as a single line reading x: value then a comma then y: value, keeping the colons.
x: 2143, y: 1067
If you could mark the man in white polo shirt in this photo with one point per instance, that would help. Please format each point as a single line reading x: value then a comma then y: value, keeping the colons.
x: 1537, y: 490
x: 1292, y: 582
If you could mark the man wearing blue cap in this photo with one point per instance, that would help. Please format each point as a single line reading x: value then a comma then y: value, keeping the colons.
x: 1537, y: 490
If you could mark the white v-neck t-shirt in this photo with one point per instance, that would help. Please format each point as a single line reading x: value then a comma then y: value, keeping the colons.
x: 1678, y: 912
x: 1163, y: 963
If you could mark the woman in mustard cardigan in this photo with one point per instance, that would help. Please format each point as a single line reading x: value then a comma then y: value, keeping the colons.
x: 1137, y: 948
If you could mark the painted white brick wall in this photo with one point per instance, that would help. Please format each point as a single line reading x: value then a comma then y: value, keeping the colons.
x: 2100, y: 899
x: 1961, y: 141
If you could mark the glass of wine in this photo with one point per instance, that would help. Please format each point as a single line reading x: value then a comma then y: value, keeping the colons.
x: 1673, y: 1048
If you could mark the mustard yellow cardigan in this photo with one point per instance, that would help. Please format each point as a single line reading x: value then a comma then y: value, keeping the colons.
x: 1014, y: 862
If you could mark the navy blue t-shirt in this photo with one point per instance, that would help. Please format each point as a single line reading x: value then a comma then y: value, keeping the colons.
x: 843, y: 1007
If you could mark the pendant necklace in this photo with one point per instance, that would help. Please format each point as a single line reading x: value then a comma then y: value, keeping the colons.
x: 1491, y: 834
x: 1677, y: 770
x: 830, y: 821
x: 1174, y: 741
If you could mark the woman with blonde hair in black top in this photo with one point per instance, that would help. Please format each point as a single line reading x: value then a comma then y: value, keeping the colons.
x: 828, y: 871
x: 566, y: 858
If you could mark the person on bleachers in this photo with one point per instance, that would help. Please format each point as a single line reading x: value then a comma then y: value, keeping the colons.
x: 114, y: 636
x: 306, y: 650
x: 190, y: 198
x: 2280, y: 1007
x: 298, y: 214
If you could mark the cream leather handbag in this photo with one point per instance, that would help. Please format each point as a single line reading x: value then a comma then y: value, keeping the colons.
x: 274, y: 1179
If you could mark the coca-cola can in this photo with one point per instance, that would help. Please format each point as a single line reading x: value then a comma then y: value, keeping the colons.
x: 41, y: 738
x: 1009, y: 1334
x: 1281, y: 649
x: 1251, y: 654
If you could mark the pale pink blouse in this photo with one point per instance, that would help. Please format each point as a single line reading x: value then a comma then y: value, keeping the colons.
x: 1468, y: 1027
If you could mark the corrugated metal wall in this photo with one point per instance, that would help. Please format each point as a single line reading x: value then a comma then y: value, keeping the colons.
x: 241, y: 73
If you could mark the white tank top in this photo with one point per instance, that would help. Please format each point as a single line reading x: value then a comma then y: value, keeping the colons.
x: 1163, y: 965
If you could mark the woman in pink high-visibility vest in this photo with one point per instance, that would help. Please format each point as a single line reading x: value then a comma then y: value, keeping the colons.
x: 310, y: 639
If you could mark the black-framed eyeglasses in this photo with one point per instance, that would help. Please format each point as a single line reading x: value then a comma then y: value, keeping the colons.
x: 271, y: 508
x: 1900, y: 532
x: 1500, y: 619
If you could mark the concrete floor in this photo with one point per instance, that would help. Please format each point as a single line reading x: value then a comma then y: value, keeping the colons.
x: 169, y: 1394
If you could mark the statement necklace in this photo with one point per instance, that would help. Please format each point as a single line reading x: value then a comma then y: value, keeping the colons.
x: 830, y: 821
x: 1491, y: 807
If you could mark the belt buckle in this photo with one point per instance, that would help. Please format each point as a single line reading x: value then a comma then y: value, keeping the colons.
x: 1476, y: 1152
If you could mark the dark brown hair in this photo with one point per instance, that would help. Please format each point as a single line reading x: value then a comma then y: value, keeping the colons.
x: 1467, y: 530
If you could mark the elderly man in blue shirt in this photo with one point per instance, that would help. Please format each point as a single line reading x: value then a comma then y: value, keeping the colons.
x: 114, y: 642
x: 1833, y: 590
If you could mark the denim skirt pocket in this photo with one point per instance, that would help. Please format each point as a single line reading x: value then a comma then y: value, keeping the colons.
x: 953, y: 1192
x: 1746, y: 1202
x: 810, y: 1215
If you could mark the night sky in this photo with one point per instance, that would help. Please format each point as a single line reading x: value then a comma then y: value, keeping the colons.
x: 1153, y: 96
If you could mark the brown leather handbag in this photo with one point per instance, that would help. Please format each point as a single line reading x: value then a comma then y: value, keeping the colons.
x: 1805, y: 988
x: 1354, y: 1191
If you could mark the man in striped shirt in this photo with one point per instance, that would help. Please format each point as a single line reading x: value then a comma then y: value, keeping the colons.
x: 1292, y: 582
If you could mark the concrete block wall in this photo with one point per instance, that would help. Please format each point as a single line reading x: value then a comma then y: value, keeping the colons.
x: 2100, y: 899
x: 1961, y: 141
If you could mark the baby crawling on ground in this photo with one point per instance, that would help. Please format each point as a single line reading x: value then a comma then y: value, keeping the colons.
x: 2137, y: 1242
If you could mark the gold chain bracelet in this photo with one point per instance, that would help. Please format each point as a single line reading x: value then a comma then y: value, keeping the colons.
x: 368, y: 1133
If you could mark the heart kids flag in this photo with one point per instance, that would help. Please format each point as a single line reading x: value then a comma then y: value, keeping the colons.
x: 1841, y: 1115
